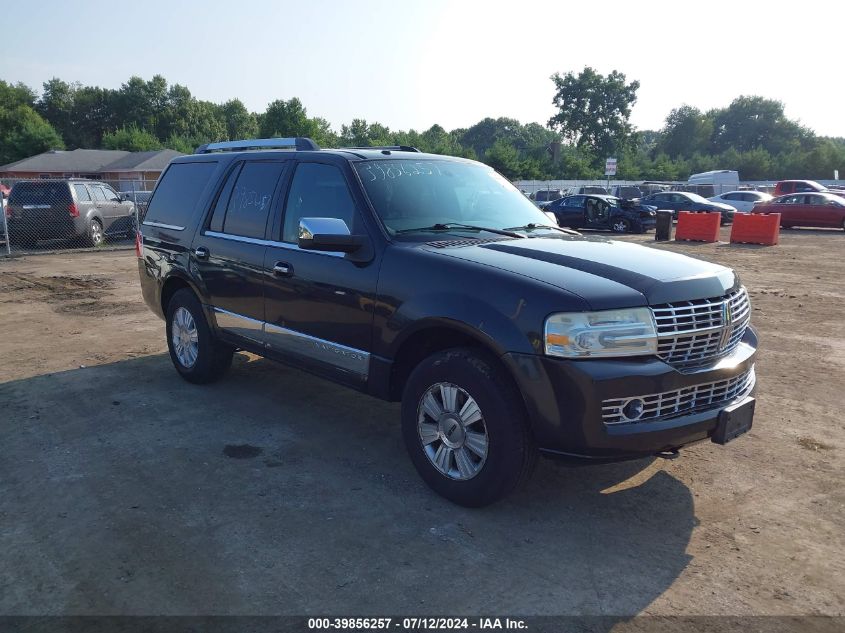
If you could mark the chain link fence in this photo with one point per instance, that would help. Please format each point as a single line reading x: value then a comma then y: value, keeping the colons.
x: 544, y: 189
x: 41, y: 215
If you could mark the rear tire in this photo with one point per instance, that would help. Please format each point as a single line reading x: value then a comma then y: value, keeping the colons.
x: 465, y: 427
x: 196, y: 354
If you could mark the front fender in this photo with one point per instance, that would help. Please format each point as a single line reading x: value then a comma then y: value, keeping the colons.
x: 499, y: 331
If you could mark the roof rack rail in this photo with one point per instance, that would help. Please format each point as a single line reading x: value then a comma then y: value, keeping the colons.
x: 299, y: 143
x: 395, y: 148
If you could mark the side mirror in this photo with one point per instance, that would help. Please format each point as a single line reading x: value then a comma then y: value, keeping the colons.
x: 328, y: 234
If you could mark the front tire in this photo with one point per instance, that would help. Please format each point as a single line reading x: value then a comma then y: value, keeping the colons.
x: 196, y: 354
x: 465, y: 427
x: 621, y: 225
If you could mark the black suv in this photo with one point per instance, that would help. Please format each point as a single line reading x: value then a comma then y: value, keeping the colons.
x: 603, y: 213
x: 433, y: 281
x: 83, y: 211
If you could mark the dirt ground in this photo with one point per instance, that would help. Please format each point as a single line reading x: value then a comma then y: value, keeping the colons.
x: 124, y: 490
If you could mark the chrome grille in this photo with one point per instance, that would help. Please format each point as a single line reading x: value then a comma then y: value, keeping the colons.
x: 691, y: 334
x: 670, y: 404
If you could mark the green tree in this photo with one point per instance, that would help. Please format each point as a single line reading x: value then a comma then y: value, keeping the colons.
x: 593, y: 110
x: 322, y: 133
x: 359, y: 133
x: 23, y: 132
x: 188, y: 117
x: 484, y: 134
x: 181, y: 144
x: 752, y: 122
x: 240, y: 123
x: 56, y: 105
x: 93, y: 114
x: 687, y: 131
x: 755, y: 164
x: 502, y: 157
x: 14, y: 95
x: 131, y: 139
x: 286, y: 119
x: 144, y: 104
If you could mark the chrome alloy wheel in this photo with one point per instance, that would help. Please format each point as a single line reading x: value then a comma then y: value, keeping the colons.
x: 620, y: 226
x: 183, y: 334
x: 452, y: 430
x: 97, y: 237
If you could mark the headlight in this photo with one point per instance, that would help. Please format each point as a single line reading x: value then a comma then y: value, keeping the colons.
x: 629, y: 332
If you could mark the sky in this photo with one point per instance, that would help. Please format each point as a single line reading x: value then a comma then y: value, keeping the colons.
x: 413, y: 63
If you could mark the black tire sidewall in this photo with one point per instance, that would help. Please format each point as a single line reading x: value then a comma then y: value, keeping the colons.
x: 207, y: 366
x: 504, y: 416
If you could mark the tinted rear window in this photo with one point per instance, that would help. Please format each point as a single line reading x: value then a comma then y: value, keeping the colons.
x: 40, y: 193
x: 177, y: 194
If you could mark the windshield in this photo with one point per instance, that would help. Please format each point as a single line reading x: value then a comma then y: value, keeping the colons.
x: 696, y: 198
x: 413, y: 194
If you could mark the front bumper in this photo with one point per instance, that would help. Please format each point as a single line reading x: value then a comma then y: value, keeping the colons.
x: 564, y: 399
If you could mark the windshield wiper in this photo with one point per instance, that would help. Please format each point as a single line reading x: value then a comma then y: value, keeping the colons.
x: 531, y: 226
x: 445, y: 226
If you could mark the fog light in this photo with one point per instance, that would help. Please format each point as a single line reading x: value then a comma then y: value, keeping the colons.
x: 633, y: 409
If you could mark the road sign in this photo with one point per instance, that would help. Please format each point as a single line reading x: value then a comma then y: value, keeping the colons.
x: 610, y: 167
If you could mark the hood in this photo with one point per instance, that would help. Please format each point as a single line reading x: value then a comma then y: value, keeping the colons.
x: 605, y: 273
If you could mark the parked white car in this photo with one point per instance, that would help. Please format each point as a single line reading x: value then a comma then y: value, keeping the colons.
x: 742, y: 201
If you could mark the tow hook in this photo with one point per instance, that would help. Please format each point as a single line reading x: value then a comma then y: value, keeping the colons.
x: 670, y: 454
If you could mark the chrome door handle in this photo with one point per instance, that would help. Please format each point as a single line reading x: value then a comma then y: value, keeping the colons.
x: 201, y: 252
x: 282, y: 269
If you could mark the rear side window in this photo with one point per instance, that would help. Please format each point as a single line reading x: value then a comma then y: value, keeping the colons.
x: 178, y: 191
x: 317, y: 191
x: 250, y: 199
x: 82, y: 194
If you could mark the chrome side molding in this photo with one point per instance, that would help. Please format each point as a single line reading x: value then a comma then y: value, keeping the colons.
x: 340, y: 356
x: 289, y: 341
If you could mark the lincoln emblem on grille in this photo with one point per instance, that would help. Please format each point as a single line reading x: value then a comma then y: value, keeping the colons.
x: 727, y: 325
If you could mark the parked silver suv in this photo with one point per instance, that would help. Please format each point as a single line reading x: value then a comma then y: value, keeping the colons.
x: 80, y: 210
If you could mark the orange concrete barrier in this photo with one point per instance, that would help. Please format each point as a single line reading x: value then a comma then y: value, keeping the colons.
x: 698, y: 227
x: 756, y: 229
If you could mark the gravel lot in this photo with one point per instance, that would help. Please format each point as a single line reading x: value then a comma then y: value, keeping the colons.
x: 124, y: 490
